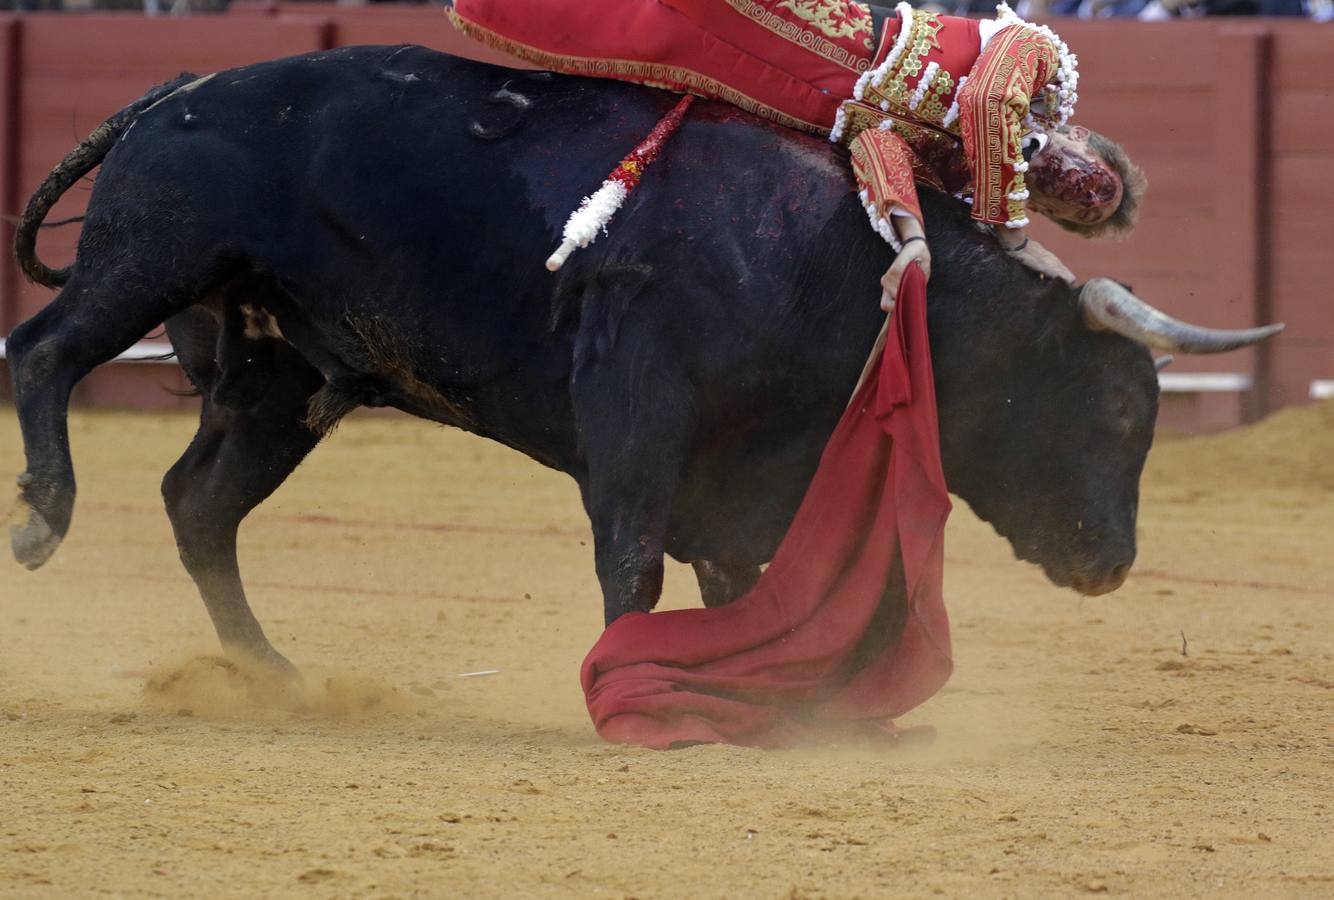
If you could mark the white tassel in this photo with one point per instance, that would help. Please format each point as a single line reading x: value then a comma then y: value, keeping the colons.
x: 923, y: 85
x: 877, y: 75
x: 585, y: 222
x: 882, y: 227
x: 953, y: 112
x: 840, y: 122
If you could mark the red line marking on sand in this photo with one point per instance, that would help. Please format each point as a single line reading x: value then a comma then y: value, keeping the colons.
x: 309, y: 588
x: 1230, y: 582
x: 1160, y: 575
x: 382, y: 592
x: 438, y: 527
x: 541, y: 531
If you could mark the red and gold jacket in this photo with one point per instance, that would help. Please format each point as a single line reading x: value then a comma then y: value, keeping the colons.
x: 942, y: 99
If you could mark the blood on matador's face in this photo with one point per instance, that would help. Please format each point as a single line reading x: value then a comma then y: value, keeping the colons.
x: 1067, y: 180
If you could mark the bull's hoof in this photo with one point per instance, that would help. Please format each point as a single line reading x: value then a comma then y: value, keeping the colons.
x: 33, y: 541
x: 265, y: 659
x: 282, y: 668
x: 271, y: 679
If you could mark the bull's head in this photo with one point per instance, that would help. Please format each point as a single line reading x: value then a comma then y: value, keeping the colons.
x: 1046, y: 422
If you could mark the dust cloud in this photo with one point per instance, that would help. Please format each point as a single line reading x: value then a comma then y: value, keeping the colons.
x: 210, y: 686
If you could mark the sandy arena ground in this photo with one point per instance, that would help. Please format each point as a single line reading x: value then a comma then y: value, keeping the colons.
x: 1079, y: 752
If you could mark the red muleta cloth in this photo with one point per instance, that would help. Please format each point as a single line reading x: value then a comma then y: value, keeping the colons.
x: 774, y: 666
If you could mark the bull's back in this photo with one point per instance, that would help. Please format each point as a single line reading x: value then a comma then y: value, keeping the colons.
x: 402, y: 167
x: 405, y: 184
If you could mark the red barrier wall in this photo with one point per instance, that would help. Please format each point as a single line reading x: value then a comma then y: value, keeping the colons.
x: 1229, y: 118
x: 1233, y: 120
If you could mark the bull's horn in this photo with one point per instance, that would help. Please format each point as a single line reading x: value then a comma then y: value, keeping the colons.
x: 1163, y: 362
x: 1108, y: 306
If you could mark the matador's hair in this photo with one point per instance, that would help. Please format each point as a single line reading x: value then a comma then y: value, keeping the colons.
x: 1119, y: 224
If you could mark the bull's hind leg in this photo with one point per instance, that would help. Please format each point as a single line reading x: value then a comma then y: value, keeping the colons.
x: 86, y: 325
x: 236, y: 460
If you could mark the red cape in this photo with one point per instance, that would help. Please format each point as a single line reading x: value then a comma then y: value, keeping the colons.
x: 777, y: 665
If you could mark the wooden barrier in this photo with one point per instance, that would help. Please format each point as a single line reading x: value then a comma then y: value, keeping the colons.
x: 1300, y: 160
x: 1229, y: 118
x: 75, y: 71
x: 10, y: 31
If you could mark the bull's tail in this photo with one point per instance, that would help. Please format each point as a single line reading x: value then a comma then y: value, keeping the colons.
x: 95, y: 316
x: 79, y: 163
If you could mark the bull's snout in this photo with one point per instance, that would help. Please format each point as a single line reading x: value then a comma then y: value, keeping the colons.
x: 1095, y: 581
x: 1093, y: 569
x: 1106, y: 564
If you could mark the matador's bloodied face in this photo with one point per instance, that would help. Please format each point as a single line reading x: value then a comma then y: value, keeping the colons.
x: 1067, y: 180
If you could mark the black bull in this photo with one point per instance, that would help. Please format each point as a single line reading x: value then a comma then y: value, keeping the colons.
x: 368, y: 227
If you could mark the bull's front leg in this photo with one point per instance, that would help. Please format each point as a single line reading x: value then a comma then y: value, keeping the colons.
x: 628, y: 498
x: 628, y: 546
x: 634, y: 453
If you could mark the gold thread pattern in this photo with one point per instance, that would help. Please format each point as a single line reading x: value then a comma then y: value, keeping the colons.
x: 804, y: 37
x: 935, y: 105
x: 992, y: 108
x: 834, y: 18
x: 892, y: 91
x: 882, y: 165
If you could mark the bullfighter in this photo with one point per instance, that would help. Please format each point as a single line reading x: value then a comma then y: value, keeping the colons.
x: 976, y: 108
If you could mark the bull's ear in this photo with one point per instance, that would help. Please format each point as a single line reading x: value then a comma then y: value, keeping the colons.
x: 1163, y: 362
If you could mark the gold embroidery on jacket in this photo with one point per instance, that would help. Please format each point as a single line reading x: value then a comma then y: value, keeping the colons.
x: 1016, y: 60
x: 802, y: 37
x: 893, y: 89
x: 835, y: 18
x: 935, y: 104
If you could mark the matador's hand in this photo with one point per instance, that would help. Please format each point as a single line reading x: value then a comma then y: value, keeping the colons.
x: 914, y: 251
x: 1043, y: 261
